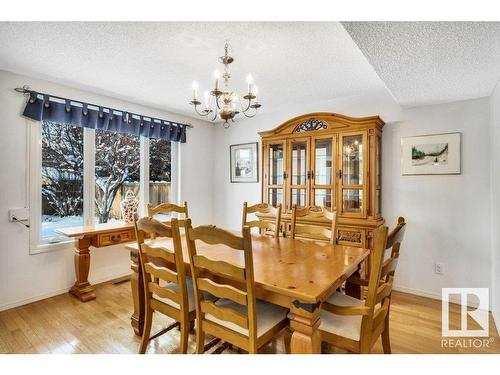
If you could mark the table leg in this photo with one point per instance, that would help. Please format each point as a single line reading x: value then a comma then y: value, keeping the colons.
x: 305, y: 321
x: 137, y: 318
x: 82, y: 288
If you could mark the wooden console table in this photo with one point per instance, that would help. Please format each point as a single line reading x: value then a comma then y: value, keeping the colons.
x: 99, y: 235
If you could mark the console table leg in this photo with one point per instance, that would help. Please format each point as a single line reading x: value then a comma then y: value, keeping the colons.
x: 137, y: 318
x: 82, y: 288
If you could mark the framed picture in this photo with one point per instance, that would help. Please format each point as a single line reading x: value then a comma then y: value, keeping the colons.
x: 244, y: 162
x: 431, y: 154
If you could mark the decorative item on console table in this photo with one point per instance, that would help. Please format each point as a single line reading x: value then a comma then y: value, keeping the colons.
x: 327, y: 160
x: 129, y: 207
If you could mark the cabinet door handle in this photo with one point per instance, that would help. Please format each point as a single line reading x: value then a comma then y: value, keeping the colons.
x: 339, y: 174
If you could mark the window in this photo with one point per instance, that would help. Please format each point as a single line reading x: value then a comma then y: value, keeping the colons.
x: 61, y: 179
x: 160, y: 171
x: 79, y: 176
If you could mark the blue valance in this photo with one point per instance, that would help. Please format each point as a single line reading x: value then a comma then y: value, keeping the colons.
x: 43, y: 107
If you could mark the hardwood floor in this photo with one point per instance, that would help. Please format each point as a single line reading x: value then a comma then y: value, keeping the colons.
x: 62, y: 324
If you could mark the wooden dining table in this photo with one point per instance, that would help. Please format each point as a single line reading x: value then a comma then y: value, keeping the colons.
x: 294, y: 273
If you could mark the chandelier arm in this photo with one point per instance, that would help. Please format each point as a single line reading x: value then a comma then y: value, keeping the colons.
x: 250, y: 116
x: 215, y: 116
x: 200, y: 113
x: 217, y: 101
x: 248, y: 106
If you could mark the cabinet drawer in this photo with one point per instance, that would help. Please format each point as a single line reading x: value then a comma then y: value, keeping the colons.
x: 351, y: 236
x: 107, y: 239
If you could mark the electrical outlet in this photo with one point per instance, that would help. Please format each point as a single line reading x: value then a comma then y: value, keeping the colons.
x: 438, y: 268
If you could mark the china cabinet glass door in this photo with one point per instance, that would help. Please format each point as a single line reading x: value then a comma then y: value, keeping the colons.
x: 323, y: 172
x: 274, y: 188
x: 299, y: 172
x: 352, y: 154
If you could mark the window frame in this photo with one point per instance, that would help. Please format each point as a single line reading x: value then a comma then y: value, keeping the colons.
x: 34, y: 201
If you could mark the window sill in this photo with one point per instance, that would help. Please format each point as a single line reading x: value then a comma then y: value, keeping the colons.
x: 49, y: 247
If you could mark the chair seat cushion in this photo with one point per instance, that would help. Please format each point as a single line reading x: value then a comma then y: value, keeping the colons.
x: 268, y: 316
x: 175, y: 288
x: 348, y: 326
x: 191, y: 302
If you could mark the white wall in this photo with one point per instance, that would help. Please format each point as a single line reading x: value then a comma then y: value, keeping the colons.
x: 495, y: 200
x: 25, y: 277
x: 448, y: 216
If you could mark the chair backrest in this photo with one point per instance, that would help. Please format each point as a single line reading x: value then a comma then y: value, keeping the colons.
x: 219, y: 278
x: 166, y: 208
x: 314, y: 231
x: 394, y: 240
x: 379, y: 291
x: 264, y: 226
x: 161, y: 265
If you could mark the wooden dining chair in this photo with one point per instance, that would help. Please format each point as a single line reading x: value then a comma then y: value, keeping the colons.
x: 237, y: 317
x: 355, y: 325
x: 265, y: 227
x: 389, y: 265
x: 166, y: 208
x: 316, y: 232
x: 166, y: 288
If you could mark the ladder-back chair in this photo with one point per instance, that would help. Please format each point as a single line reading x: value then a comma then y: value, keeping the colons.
x: 265, y: 227
x: 237, y: 317
x: 166, y: 208
x: 316, y: 232
x: 353, y: 324
x: 389, y: 264
x: 166, y: 288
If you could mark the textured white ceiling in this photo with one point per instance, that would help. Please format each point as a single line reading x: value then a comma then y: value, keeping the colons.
x: 432, y: 62
x: 155, y: 63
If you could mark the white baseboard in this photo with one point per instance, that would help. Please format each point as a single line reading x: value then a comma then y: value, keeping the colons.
x: 39, y: 297
x: 25, y: 301
x: 417, y: 292
x: 423, y: 293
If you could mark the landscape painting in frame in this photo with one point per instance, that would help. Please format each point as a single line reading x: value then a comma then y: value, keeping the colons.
x: 431, y: 154
x: 244, y: 162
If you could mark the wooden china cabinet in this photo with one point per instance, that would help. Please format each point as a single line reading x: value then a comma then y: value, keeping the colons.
x: 327, y: 160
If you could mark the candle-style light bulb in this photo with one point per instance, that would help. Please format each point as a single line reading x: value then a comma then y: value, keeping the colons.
x: 249, y: 82
x: 255, y: 92
x: 195, y: 90
x: 217, y: 77
x: 207, y: 100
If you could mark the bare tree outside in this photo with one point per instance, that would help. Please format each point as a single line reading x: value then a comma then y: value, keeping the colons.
x: 117, y: 160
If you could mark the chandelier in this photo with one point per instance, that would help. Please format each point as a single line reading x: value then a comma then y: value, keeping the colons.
x: 222, y: 102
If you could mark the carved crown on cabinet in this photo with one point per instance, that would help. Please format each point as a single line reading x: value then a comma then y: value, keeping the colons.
x: 309, y: 125
x: 322, y: 121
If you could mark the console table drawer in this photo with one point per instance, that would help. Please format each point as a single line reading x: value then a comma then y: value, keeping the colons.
x: 107, y: 239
